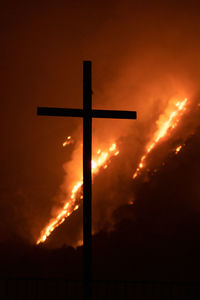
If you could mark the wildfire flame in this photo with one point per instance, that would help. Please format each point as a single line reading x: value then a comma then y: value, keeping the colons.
x: 101, y: 161
x: 166, y: 122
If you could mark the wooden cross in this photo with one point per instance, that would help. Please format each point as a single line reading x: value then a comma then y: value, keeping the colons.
x: 87, y: 113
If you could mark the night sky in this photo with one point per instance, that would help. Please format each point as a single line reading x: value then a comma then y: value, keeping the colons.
x: 144, y: 53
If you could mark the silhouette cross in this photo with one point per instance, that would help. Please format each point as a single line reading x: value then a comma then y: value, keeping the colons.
x: 87, y: 113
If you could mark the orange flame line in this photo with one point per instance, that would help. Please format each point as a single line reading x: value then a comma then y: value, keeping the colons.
x: 71, y: 205
x: 171, y: 122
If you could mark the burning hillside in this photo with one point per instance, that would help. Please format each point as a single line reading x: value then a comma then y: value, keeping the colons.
x: 101, y: 160
x: 165, y: 126
x: 166, y: 122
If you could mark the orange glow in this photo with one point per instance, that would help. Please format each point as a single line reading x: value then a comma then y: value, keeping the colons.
x: 178, y: 149
x: 167, y: 121
x: 113, y: 147
x: 101, y: 160
x: 68, y: 141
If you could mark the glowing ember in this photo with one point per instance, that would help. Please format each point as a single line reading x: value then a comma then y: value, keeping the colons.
x: 167, y: 121
x: 68, y: 141
x: 178, y: 149
x: 100, y: 161
x: 116, y: 153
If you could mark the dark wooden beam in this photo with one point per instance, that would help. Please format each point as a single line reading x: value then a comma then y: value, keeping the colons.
x: 87, y: 179
x: 59, y: 112
x: 95, y: 113
x: 114, y: 114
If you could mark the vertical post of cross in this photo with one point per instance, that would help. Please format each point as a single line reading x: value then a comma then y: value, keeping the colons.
x: 87, y: 178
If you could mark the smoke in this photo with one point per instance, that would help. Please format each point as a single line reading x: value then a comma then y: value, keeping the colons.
x: 148, y: 57
x: 144, y: 54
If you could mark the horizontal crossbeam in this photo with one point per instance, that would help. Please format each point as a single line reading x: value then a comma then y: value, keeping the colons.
x: 59, y: 112
x: 113, y: 114
x: 95, y: 113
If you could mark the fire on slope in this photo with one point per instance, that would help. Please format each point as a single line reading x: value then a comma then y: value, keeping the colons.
x: 101, y: 160
x: 166, y: 122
